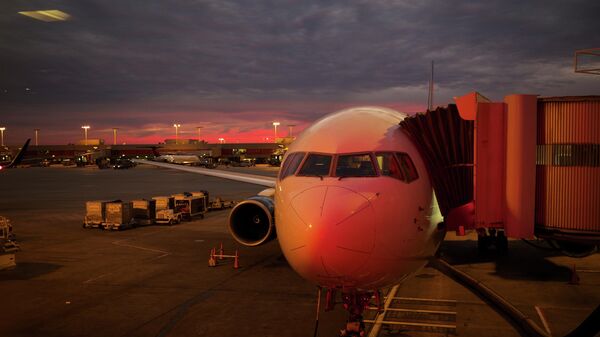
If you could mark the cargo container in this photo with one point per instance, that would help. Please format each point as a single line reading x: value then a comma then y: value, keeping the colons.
x: 191, y: 206
x: 119, y: 216
x: 204, y: 194
x: 164, y: 202
x: 165, y: 211
x: 95, y: 212
x: 144, y: 211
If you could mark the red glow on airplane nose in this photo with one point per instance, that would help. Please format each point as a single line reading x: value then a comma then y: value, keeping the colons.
x: 341, y: 225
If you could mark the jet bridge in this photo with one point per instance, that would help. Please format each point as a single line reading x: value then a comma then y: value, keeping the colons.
x: 525, y: 167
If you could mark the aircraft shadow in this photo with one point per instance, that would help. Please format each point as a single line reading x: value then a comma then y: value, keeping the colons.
x: 27, y: 271
x: 521, y: 262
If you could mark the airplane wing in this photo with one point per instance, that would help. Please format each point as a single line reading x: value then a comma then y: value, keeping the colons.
x: 243, y: 177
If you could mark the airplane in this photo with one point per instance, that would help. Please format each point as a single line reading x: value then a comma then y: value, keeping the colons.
x: 181, y: 159
x: 353, y: 206
x: 17, y: 159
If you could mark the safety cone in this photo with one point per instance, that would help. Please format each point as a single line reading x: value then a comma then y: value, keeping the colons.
x: 221, y: 252
x: 574, y: 277
x: 236, y: 262
x: 211, y: 259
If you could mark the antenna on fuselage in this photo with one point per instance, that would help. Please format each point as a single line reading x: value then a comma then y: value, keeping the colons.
x: 430, y: 94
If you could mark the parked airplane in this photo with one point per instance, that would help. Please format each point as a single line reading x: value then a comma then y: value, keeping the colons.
x: 182, y: 159
x: 353, y: 206
x: 17, y: 159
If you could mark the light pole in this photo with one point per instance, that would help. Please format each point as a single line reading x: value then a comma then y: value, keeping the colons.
x: 291, y: 126
x: 221, y: 140
x: 275, y: 124
x: 199, y: 127
x: 115, y: 136
x: 176, y: 126
x: 2, y: 135
x: 85, y: 130
x: 36, y: 136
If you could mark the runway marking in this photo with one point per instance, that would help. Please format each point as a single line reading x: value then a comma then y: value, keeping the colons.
x: 379, y: 319
x: 539, y: 312
x: 120, y: 243
x: 96, y: 278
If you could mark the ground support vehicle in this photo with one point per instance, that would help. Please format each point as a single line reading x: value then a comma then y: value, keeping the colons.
x: 119, y: 216
x: 165, y: 211
x: 190, y: 206
x: 202, y: 193
x: 144, y: 211
x: 219, y: 204
x: 95, y: 212
x: 7, y: 244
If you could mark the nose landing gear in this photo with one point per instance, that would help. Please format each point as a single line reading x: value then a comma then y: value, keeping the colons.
x: 491, y: 236
x: 355, y: 302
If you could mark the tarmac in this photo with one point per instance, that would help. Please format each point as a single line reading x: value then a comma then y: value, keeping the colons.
x: 155, y: 280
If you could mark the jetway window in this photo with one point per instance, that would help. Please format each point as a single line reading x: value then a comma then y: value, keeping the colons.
x: 316, y: 165
x: 291, y: 164
x: 407, y: 167
x: 388, y: 166
x: 355, y: 165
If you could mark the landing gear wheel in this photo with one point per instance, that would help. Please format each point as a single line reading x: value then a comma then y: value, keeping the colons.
x: 502, y: 243
x: 483, y: 243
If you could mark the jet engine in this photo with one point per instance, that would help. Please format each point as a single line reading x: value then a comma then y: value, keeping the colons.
x: 252, y: 221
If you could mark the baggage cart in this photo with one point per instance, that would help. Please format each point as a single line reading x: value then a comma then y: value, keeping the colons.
x: 191, y: 206
x: 119, y: 216
x: 95, y: 212
x: 203, y: 193
x: 144, y: 211
x: 165, y: 210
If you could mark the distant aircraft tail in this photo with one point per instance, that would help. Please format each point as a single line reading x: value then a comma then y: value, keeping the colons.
x: 19, y: 155
x: 153, y: 148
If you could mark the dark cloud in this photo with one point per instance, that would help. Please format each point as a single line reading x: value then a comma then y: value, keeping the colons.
x: 143, y: 60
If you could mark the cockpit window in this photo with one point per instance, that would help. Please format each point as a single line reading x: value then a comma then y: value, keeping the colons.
x: 291, y: 164
x: 316, y: 165
x: 355, y: 165
x: 388, y: 165
x: 407, y: 166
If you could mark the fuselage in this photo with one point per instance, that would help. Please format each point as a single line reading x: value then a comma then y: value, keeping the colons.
x: 354, y: 205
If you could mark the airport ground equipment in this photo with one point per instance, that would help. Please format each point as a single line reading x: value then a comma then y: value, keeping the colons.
x: 522, y: 168
x: 165, y: 210
x: 219, y: 204
x: 8, y: 246
x: 144, y: 211
x: 202, y: 193
x: 214, y: 257
x: 95, y: 213
x: 7, y: 238
x: 190, y: 206
x: 119, y: 215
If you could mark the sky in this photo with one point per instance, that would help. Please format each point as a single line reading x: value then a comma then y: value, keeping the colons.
x: 234, y: 67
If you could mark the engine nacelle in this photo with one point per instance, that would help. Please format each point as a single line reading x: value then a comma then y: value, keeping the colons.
x: 252, y: 221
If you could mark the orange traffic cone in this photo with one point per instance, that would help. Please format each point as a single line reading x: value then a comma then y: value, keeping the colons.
x: 574, y: 276
x: 236, y: 262
x: 211, y: 259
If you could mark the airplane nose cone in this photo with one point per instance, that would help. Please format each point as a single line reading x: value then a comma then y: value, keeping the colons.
x: 339, y: 229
